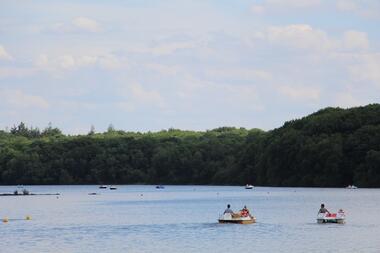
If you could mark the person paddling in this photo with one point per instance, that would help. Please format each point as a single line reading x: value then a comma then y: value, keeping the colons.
x: 323, y: 209
x: 228, y: 210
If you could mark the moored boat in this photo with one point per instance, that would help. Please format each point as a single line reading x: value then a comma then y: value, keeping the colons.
x: 351, y: 187
x: 236, y: 218
x: 248, y: 186
x: 160, y: 187
x: 338, y: 217
x: 103, y: 187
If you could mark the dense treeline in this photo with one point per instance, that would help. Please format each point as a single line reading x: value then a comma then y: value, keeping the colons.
x: 332, y: 147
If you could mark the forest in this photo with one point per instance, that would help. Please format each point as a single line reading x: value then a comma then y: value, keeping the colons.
x: 332, y: 147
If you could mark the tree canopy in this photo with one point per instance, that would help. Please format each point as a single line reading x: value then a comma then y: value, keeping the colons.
x: 331, y: 148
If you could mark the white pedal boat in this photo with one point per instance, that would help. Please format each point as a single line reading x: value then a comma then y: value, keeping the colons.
x: 236, y: 218
x: 338, y: 217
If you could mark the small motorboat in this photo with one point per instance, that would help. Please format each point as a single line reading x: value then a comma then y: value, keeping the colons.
x: 103, y: 187
x: 351, y: 187
x: 160, y: 187
x: 248, y: 186
x: 236, y: 218
x: 338, y: 217
x: 113, y: 188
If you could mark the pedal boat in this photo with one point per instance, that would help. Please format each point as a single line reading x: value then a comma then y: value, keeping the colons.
x: 339, y: 218
x: 236, y: 218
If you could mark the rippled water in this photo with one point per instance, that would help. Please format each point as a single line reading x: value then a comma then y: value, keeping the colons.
x: 184, y: 219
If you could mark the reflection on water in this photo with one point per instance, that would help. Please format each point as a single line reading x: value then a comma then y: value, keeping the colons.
x: 184, y: 219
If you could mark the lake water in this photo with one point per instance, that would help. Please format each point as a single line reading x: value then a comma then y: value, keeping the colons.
x: 184, y: 219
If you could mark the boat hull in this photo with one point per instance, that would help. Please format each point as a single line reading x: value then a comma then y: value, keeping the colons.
x: 238, y: 221
x: 338, y: 218
x: 235, y: 219
x: 338, y: 221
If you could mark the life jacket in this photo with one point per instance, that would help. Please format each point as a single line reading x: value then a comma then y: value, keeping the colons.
x: 244, y: 213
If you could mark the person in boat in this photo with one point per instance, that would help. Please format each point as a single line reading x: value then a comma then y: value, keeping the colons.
x: 244, y: 212
x: 228, y: 209
x: 323, y: 209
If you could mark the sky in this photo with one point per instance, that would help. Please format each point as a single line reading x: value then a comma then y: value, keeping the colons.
x: 195, y: 65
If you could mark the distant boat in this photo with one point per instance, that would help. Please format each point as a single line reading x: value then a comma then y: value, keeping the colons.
x: 248, y: 186
x: 351, y: 187
x: 113, y: 188
x: 160, y: 187
x: 103, y: 187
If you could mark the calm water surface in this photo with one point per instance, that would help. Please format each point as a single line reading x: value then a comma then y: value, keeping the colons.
x: 184, y: 219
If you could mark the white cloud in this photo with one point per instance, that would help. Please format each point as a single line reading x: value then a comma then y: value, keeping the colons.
x: 189, y: 85
x: 245, y: 74
x: 294, y: 3
x: 282, y: 5
x: 77, y: 24
x: 17, y: 72
x: 67, y: 62
x: 59, y: 27
x: 366, y: 69
x: 300, y: 92
x: 355, y: 40
x: 110, y: 62
x: 245, y: 96
x: 257, y: 9
x: 346, y: 100
x: 86, y: 24
x: 19, y: 99
x: 138, y: 96
x: 346, y: 5
x: 169, y: 48
x: 300, y: 36
x: 125, y: 106
x: 71, y: 62
x: 4, y: 54
x: 164, y: 69
x: 363, y: 8
x: 146, y: 96
x: 72, y: 106
x: 42, y: 60
x: 303, y: 36
x: 64, y: 62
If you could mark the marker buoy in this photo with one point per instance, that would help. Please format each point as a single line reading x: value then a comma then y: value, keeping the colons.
x: 5, y: 220
x: 28, y: 217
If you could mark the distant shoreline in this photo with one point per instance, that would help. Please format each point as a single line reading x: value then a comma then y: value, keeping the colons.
x: 31, y: 194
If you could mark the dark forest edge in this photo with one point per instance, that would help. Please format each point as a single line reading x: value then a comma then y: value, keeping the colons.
x: 330, y: 148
